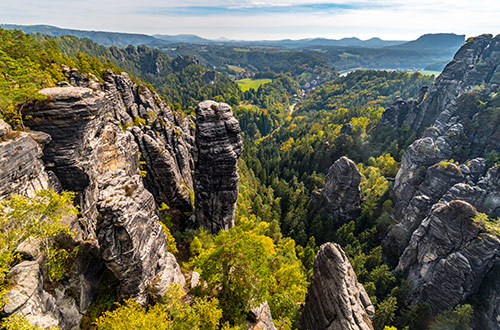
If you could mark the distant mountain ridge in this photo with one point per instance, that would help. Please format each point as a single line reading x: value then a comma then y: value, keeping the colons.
x: 135, y: 39
x: 433, y: 41
x: 100, y: 37
x: 425, y: 42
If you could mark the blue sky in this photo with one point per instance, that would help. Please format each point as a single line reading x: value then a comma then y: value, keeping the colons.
x: 263, y: 19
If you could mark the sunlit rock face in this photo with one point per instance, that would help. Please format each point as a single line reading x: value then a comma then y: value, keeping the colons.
x: 219, y: 145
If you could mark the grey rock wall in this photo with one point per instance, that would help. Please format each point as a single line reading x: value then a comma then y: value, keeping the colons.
x: 335, y: 299
x: 219, y: 145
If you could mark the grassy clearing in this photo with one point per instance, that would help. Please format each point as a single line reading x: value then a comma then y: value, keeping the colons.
x: 247, y: 83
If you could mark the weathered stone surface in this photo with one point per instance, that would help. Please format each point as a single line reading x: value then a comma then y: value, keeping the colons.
x: 260, y: 318
x: 434, y: 184
x: 448, y: 256
x: 165, y: 141
x: 162, y: 173
x: 341, y: 190
x: 486, y: 301
x: 28, y: 298
x: 474, y: 64
x: 87, y: 151
x: 219, y: 146
x: 195, y: 279
x: 335, y: 299
x: 459, y: 131
x: 21, y: 168
x: 4, y: 128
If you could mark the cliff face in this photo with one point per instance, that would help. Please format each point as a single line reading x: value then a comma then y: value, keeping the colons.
x: 219, y: 145
x: 22, y: 170
x: 124, y: 152
x: 448, y: 256
x: 97, y: 139
x: 476, y: 63
x: 341, y: 190
x: 335, y: 299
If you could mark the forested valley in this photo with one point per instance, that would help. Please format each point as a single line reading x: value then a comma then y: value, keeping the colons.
x: 291, y: 137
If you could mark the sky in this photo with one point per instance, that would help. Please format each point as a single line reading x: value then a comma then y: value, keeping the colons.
x: 263, y: 19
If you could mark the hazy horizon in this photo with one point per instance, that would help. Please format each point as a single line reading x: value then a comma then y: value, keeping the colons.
x: 263, y: 20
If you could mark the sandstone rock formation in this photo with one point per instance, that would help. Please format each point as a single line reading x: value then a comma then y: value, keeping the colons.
x: 448, y: 257
x: 260, y: 318
x: 341, y: 190
x: 474, y: 64
x: 219, y: 146
x: 335, y: 299
x: 97, y: 138
x: 28, y: 297
x: 92, y: 155
x: 132, y: 241
x: 22, y: 170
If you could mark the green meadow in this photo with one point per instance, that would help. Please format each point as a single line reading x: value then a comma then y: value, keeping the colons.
x: 247, y: 83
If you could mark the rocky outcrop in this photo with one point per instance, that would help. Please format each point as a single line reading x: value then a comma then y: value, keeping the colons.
x: 219, y: 145
x: 132, y: 241
x: 28, y: 298
x: 97, y: 140
x: 335, y: 299
x: 22, y: 170
x: 476, y: 63
x: 260, y: 318
x: 459, y: 129
x: 124, y: 152
x: 444, y: 253
x: 341, y: 191
x: 435, y: 182
x: 92, y: 155
x: 165, y: 140
x: 448, y: 256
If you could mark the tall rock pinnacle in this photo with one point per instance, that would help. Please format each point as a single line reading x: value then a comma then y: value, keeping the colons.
x: 219, y: 145
x: 335, y: 299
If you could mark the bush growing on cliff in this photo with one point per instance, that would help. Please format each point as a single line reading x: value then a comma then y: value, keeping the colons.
x: 36, y: 219
x: 245, y: 266
x: 170, y: 314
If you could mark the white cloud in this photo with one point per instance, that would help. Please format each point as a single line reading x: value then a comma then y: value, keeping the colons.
x: 389, y: 19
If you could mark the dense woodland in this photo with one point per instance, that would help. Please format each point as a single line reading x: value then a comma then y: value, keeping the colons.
x: 279, y: 226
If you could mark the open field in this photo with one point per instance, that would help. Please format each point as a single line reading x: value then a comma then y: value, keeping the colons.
x: 247, y: 83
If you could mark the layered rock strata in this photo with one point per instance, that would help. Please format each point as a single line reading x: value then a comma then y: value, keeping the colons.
x: 219, y: 145
x: 444, y: 180
x: 90, y: 153
x: 335, y: 299
x: 22, y: 170
x: 448, y: 256
x: 341, y: 191
x: 97, y: 139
